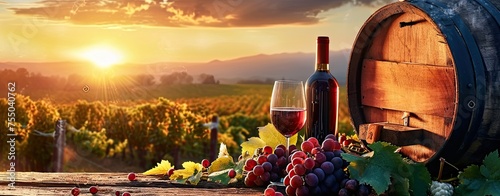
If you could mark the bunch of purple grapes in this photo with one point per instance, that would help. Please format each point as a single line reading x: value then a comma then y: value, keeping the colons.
x: 268, y: 166
x: 316, y: 169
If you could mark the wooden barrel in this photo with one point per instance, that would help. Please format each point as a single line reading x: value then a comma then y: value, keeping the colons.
x: 425, y: 75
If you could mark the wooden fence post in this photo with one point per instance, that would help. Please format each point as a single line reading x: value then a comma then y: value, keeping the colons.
x: 213, y: 138
x: 60, y: 142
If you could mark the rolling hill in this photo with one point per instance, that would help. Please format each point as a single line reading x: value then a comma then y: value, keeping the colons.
x: 298, y: 66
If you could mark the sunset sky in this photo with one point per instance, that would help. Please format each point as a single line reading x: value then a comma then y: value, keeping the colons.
x: 144, y: 31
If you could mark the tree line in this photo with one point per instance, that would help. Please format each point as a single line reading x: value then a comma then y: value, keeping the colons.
x: 26, y: 81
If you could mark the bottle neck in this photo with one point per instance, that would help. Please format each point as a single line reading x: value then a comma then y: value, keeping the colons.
x: 322, y: 54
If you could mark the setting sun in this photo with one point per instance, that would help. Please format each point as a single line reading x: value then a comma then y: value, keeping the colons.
x: 103, y: 57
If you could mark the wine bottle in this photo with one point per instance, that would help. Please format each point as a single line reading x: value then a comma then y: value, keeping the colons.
x: 322, y: 96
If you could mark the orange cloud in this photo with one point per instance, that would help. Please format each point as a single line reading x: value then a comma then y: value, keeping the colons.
x: 215, y: 13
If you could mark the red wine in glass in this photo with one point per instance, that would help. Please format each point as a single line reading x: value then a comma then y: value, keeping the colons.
x: 287, y: 120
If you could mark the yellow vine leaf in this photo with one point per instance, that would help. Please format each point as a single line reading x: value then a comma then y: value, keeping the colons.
x: 248, y: 147
x: 221, y: 163
x: 272, y: 137
x: 190, y: 169
x: 160, y: 169
x: 223, y: 150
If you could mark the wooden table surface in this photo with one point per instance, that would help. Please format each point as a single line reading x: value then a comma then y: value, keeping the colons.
x: 39, y: 183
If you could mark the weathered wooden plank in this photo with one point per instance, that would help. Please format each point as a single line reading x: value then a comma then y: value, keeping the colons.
x: 409, y: 87
x: 419, y: 42
x: 39, y: 183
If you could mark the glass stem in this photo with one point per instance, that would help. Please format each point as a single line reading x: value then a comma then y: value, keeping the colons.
x: 287, y: 147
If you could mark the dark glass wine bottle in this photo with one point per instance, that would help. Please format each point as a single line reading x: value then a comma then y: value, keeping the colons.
x: 322, y: 96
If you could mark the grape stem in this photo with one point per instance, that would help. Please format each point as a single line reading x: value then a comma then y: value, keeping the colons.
x: 441, y: 165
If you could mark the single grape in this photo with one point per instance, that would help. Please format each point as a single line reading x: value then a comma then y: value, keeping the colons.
x: 259, y: 182
x: 314, y: 141
x: 131, y: 176
x: 292, y: 148
x: 290, y: 191
x: 331, y: 136
x: 267, y: 166
x: 205, y: 163
x: 330, y: 180
x: 231, y: 173
x: 282, y: 161
x: 279, y: 152
x: 302, y: 191
x: 262, y: 159
x: 117, y: 193
x: 329, y: 155
x: 364, y: 190
x: 299, y: 154
x: 316, y: 150
x: 272, y: 158
x: 258, y: 170
x: 343, y: 192
x: 309, y: 163
x: 93, y: 190
x: 351, y: 185
x: 281, y: 146
x: 339, y: 174
x: 307, y: 146
x: 328, y: 145
x: 170, y: 172
x: 297, y: 161
x: 250, y: 163
x: 126, y: 194
x: 343, y: 181
x: 269, y: 192
x: 291, y: 173
x: 312, y: 179
x: 296, y: 181
x: 327, y: 167
x: 346, y: 143
x: 273, y: 186
x: 268, y: 150
x: 336, y: 145
x: 289, y: 167
x: 286, y: 180
x: 276, y: 169
x: 266, y: 177
x: 251, y: 176
x: 299, y: 169
x: 275, y: 177
x: 249, y: 183
x: 338, y: 153
x: 337, y: 162
x: 320, y: 158
x: 320, y: 173
x: 75, y: 191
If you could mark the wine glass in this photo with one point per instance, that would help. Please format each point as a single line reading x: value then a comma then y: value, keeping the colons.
x: 288, y: 108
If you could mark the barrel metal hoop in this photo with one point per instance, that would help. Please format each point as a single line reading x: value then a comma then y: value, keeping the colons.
x: 494, y: 12
x: 458, y: 37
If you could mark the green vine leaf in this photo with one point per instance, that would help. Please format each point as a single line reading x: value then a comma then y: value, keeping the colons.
x: 481, y: 180
x: 385, y: 167
x: 221, y: 177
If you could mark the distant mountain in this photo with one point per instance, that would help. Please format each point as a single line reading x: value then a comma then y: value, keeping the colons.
x: 298, y: 66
